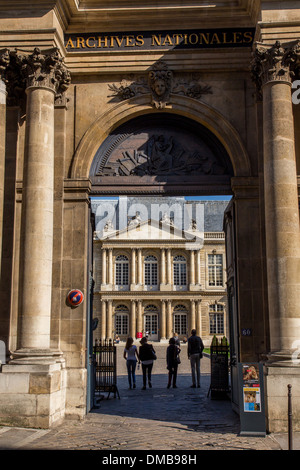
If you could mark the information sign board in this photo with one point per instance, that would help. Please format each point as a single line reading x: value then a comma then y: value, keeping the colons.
x: 251, y: 399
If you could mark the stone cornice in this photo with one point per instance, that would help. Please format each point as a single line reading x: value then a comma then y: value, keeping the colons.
x: 126, y: 15
x: 165, y: 295
x: 156, y: 243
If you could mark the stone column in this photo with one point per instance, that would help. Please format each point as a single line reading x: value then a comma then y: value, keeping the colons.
x: 163, y: 320
x: 198, y: 271
x: 4, y: 62
x: 110, y: 268
x: 103, y: 319
x: 169, y: 267
x: 104, y: 267
x: 192, y: 268
x: 139, y: 324
x: 272, y: 70
x: 140, y: 267
x: 198, y: 318
x: 109, y: 325
x: 169, y: 319
x: 133, y: 319
x: 45, y: 74
x: 133, y: 268
x: 163, y: 266
x: 193, y: 315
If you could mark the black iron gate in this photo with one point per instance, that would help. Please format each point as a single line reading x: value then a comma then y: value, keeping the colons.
x: 219, y: 360
x: 105, y: 368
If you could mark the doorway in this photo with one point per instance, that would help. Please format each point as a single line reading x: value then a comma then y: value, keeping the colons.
x: 151, y: 326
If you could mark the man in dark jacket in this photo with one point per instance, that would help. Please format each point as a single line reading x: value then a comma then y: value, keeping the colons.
x: 195, y: 348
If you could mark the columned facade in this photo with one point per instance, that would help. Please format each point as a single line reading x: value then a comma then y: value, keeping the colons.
x: 159, y: 286
x: 184, y: 101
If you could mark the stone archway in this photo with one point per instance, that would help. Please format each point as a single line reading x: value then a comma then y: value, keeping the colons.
x: 182, y: 106
x: 107, y: 132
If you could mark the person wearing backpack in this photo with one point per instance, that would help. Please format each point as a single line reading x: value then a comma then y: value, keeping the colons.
x: 147, y: 356
x: 172, y: 361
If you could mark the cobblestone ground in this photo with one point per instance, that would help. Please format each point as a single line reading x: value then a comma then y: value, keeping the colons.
x: 155, y: 419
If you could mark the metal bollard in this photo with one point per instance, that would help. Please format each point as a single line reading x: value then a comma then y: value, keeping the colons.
x: 290, y: 424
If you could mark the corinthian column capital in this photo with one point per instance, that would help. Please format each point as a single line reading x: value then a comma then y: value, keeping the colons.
x: 4, y: 62
x: 275, y: 63
x: 44, y: 69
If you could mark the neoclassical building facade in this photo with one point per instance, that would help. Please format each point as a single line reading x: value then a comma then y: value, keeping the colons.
x: 145, y: 99
x: 154, y: 277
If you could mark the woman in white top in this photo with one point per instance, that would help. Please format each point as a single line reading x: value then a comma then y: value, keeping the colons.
x: 131, y: 356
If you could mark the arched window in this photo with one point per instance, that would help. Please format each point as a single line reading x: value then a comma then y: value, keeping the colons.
x: 151, y: 308
x: 151, y: 280
x: 121, y: 319
x: 122, y: 271
x: 179, y: 264
x: 180, y: 320
x: 216, y: 319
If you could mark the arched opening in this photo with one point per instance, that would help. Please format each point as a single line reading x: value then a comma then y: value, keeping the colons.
x: 164, y: 154
x: 177, y: 156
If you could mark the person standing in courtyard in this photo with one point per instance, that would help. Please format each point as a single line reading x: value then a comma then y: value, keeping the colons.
x: 195, y: 349
x: 131, y: 356
x: 147, y: 356
x: 172, y: 361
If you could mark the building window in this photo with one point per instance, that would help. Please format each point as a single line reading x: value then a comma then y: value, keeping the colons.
x: 151, y: 272
x: 122, y: 271
x: 151, y: 321
x: 215, y: 270
x: 216, y: 319
x: 121, y: 320
x: 179, y: 271
x: 180, y: 320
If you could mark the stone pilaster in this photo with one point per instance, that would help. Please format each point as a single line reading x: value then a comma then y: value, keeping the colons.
x: 273, y: 69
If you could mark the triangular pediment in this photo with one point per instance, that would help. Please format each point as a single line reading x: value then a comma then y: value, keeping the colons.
x: 149, y: 230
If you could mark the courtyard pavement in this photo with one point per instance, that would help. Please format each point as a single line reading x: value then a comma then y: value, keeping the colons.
x: 156, y: 419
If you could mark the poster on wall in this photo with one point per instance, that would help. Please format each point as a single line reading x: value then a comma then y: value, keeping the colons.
x: 251, y: 388
x: 251, y: 401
